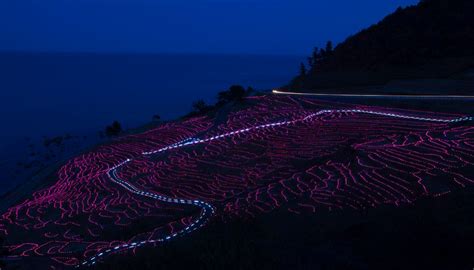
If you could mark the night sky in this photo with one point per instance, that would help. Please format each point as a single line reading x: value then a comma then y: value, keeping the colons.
x: 196, y: 26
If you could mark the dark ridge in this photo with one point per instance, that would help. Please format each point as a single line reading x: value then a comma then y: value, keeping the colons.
x: 434, y: 39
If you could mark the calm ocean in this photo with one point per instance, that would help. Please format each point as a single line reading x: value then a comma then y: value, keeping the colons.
x: 45, y: 94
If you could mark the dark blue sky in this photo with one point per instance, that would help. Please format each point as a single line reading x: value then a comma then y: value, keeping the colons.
x: 198, y: 26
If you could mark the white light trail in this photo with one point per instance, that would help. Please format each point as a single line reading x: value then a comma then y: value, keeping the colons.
x: 206, y: 209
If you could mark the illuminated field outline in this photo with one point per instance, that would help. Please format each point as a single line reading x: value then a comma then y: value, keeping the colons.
x: 208, y: 209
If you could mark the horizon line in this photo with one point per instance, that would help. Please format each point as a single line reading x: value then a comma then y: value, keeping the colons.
x: 119, y: 52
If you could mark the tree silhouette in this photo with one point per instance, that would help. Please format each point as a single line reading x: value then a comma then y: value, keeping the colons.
x: 114, y: 129
x: 314, y: 58
x: 302, y: 70
x: 235, y: 93
x: 156, y: 117
x: 329, y: 47
x: 250, y: 90
x: 200, y: 106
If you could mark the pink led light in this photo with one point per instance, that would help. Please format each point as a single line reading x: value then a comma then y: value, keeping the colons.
x: 281, y: 153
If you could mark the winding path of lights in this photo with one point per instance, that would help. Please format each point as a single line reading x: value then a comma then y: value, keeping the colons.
x: 207, y: 210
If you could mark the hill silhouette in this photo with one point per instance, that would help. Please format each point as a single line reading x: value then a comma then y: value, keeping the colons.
x: 434, y: 39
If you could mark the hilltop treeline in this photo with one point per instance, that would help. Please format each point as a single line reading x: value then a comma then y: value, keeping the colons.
x: 428, y: 39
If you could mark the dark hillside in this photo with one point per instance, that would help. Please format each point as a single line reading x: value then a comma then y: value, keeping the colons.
x: 434, y: 39
x: 419, y: 236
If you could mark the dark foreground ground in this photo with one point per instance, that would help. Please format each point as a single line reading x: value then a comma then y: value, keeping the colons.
x: 431, y: 234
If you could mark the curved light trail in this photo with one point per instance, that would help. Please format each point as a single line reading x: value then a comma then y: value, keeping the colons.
x: 207, y: 210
